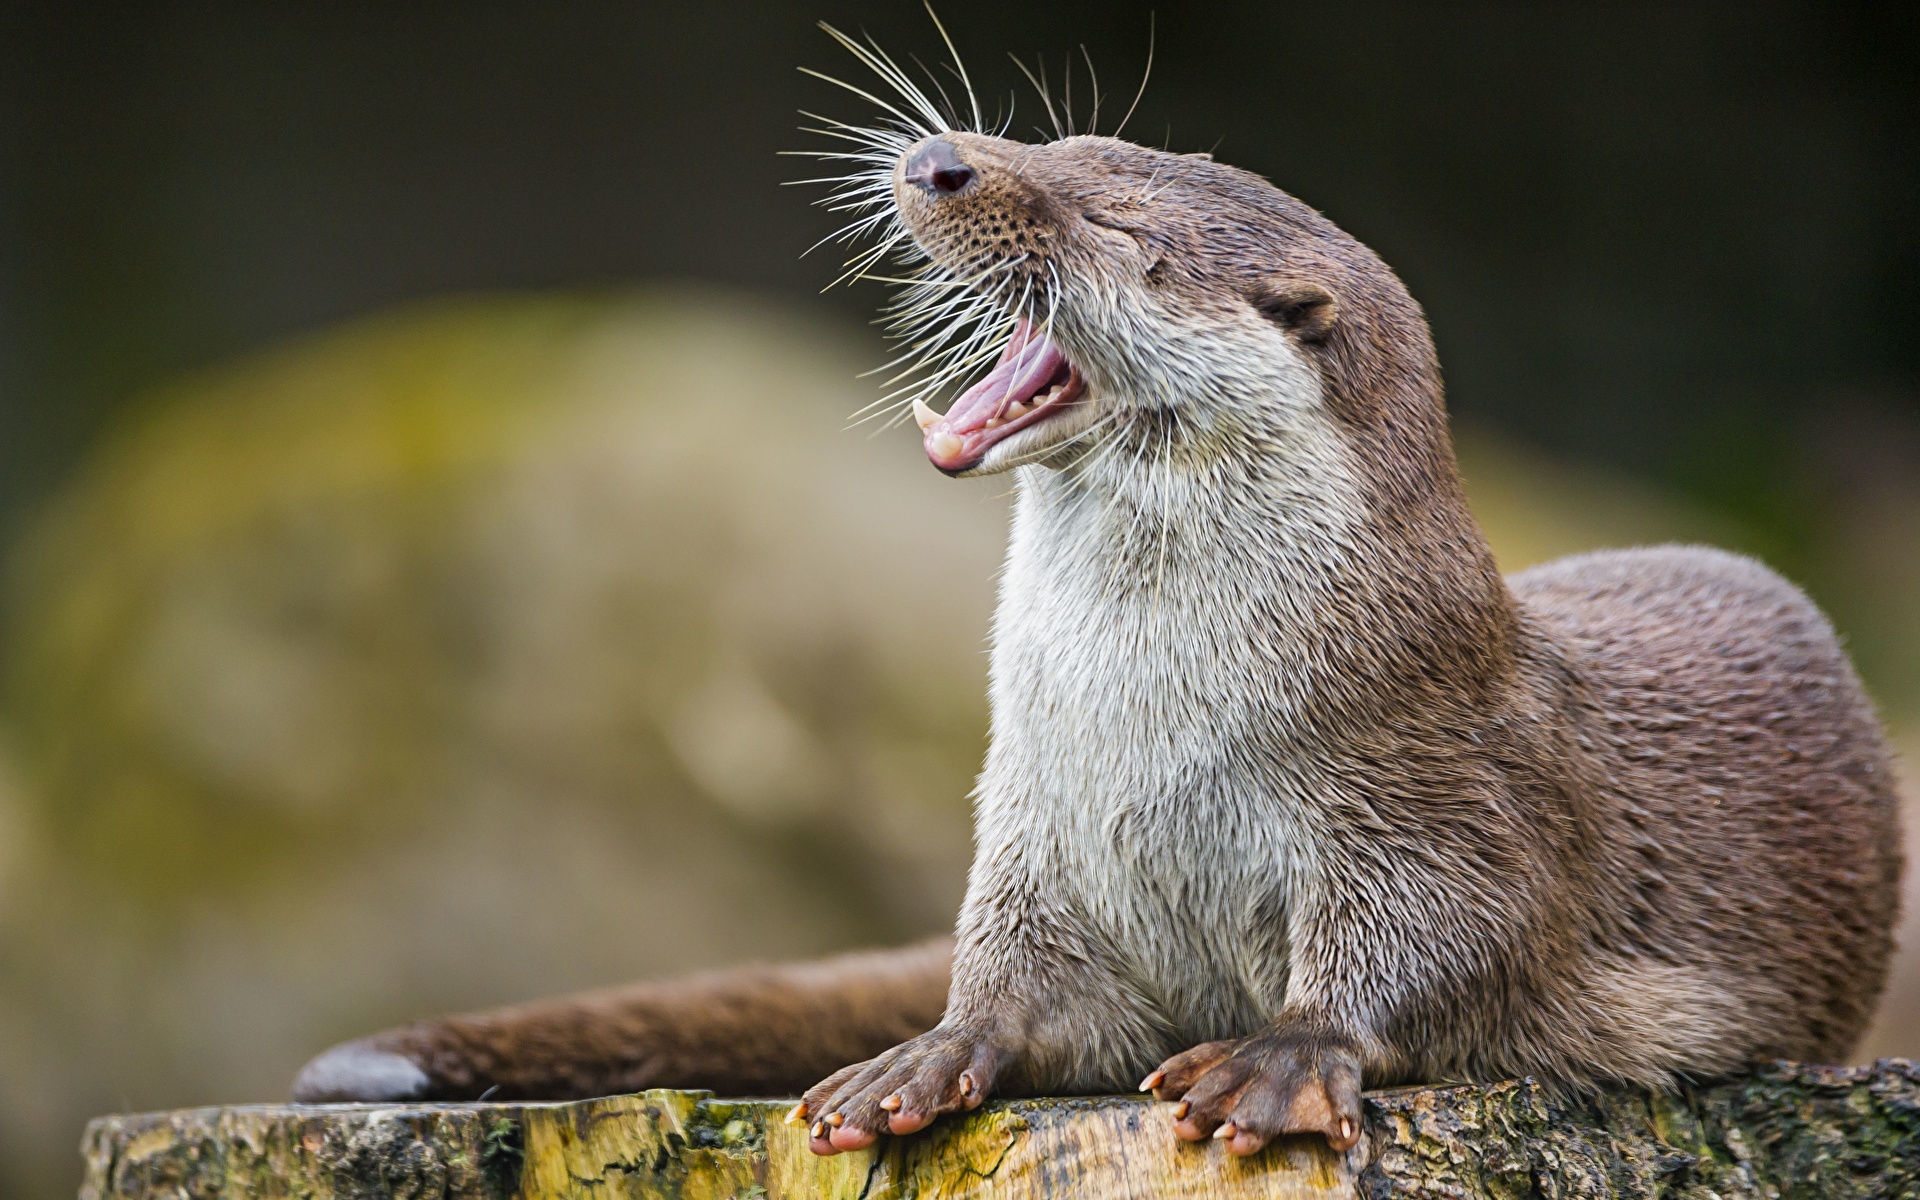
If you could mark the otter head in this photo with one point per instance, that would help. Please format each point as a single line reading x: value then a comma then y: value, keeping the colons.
x: 1152, y: 289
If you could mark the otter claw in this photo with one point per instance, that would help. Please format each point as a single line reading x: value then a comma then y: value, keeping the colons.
x: 1153, y: 1081
x: 891, y: 1103
x: 797, y: 1115
x: 1225, y: 1131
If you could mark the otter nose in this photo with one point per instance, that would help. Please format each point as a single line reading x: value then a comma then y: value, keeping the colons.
x: 935, y: 168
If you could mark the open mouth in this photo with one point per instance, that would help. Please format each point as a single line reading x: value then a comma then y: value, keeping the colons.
x: 1032, y: 382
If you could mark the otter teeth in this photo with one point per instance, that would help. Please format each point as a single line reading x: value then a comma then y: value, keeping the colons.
x: 1020, y: 408
x: 946, y: 445
x: 923, y: 413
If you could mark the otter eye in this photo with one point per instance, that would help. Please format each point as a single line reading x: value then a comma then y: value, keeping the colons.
x: 1301, y: 305
x: 1105, y: 221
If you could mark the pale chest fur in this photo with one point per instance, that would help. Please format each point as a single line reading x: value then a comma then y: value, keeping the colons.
x: 1153, y: 662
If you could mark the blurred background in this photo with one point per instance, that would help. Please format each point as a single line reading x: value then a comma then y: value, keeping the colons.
x: 437, y: 569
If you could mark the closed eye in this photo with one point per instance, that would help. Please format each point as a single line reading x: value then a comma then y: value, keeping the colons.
x: 1113, y: 224
x: 1106, y: 221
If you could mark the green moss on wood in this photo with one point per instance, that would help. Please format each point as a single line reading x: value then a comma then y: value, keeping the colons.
x: 1782, y: 1133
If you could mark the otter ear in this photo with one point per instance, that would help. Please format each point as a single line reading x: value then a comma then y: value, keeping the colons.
x: 1305, y: 307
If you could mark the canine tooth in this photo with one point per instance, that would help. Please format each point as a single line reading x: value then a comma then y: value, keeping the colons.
x: 945, y: 445
x: 923, y: 413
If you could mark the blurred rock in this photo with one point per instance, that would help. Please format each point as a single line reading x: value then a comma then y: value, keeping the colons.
x: 486, y: 650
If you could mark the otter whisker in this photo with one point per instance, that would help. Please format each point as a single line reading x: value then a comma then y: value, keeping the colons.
x: 857, y: 267
x: 871, y: 156
x: 868, y: 195
x: 934, y: 325
x: 952, y: 115
x: 864, y: 204
x: 926, y: 283
x: 954, y: 363
x: 911, y: 300
x: 941, y: 366
x: 1002, y: 124
x: 1087, y: 467
x: 981, y: 318
x: 927, y: 387
x: 1039, y: 83
x: 926, y: 323
x: 1166, y: 503
x: 959, y: 67
x: 1093, y: 121
x: 853, y: 230
x: 844, y: 234
x: 1100, y: 423
x: 906, y: 310
x: 865, y: 175
x: 920, y: 389
x: 852, y: 204
x: 1144, y: 76
x: 1066, y: 103
x: 866, y: 135
x: 1146, y: 190
x: 882, y: 65
x: 869, y: 96
x: 873, y: 254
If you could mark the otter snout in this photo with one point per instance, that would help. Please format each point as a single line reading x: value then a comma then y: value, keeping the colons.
x: 967, y: 200
x: 935, y: 167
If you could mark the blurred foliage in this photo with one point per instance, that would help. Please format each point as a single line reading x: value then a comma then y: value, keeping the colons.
x: 497, y: 647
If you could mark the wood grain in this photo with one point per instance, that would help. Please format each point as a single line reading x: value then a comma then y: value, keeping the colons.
x: 1784, y: 1132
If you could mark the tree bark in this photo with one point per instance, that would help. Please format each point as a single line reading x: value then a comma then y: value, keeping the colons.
x: 1784, y: 1132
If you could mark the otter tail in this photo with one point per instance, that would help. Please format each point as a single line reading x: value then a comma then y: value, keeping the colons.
x: 750, y: 1031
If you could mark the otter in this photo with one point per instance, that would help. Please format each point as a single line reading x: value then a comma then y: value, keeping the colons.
x: 1289, y: 792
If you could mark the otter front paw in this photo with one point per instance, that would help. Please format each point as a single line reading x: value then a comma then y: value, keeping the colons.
x: 1285, y: 1079
x: 902, y: 1091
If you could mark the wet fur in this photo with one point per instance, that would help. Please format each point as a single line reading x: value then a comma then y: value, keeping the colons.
x: 1275, y: 747
x: 749, y: 1031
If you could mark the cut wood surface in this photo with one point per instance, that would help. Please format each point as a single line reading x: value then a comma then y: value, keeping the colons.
x: 1786, y: 1131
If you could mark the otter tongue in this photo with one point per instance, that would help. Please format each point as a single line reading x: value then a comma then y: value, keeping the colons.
x: 1026, y: 366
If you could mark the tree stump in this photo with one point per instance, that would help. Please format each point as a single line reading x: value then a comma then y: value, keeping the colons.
x: 1786, y: 1131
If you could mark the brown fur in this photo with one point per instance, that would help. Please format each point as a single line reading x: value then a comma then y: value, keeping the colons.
x: 749, y: 1031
